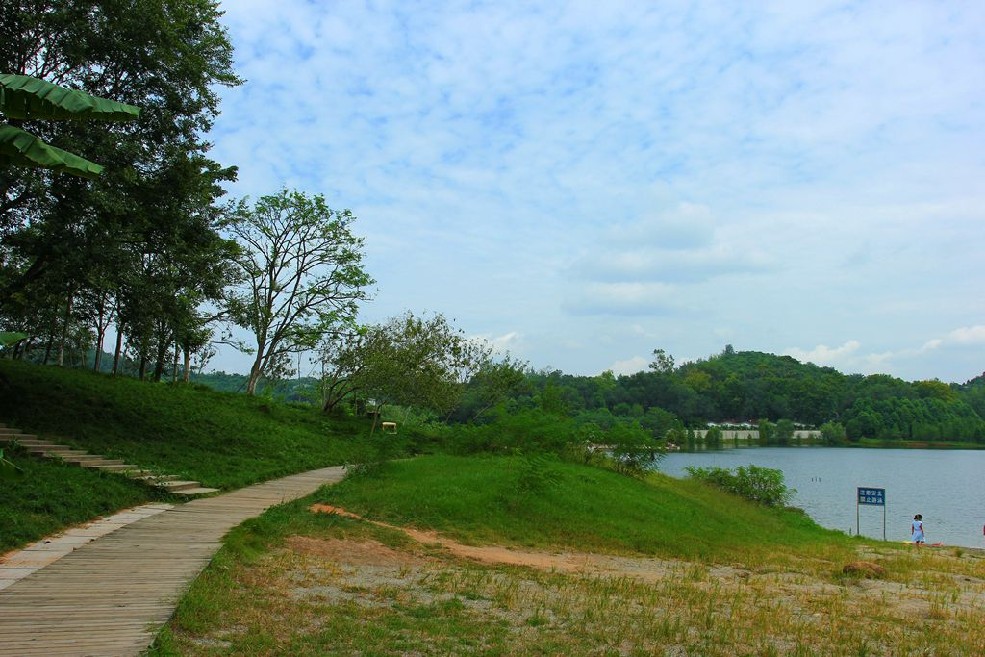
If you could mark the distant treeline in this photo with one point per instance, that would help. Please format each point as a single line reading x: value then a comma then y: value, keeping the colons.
x: 748, y: 386
x: 729, y: 388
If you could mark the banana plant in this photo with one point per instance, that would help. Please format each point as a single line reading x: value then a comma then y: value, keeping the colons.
x: 24, y: 98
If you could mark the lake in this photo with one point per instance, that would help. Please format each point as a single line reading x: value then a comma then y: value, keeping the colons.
x: 946, y: 486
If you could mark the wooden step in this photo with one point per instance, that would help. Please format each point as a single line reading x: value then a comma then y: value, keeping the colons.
x: 201, y: 490
x: 177, y: 486
x: 79, y: 457
x: 99, y: 462
x: 35, y: 446
x: 19, y: 438
x: 152, y: 478
x: 115, y: 466
x: 62, y: 452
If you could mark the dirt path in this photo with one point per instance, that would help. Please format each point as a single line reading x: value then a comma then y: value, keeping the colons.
x: 908, y: 599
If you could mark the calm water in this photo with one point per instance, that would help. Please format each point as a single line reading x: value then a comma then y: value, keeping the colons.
x: 946, y: 486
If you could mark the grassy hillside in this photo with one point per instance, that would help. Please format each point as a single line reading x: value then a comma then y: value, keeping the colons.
x: 48, y: 496
x: 223, y: 440
x: 549, y: 503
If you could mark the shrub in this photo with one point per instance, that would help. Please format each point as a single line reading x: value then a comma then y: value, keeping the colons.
x: 633, y: 449
x: 762, y: 485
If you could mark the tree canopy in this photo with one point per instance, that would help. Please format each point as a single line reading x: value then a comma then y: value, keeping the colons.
x: 137, y: 248
x: 301, y: 274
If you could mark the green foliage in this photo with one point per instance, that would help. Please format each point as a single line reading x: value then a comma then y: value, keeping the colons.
x: 833, y: 433
x: 758, y: 484
x: 413, y: 361
x: 784, y: 431
x: 8, y: 469
x: 634, y: 450
x: 777, y: 389
x: 24, y: 98
x: 301, y: 273
x: 766, y: 431
x: 136, y: 248
x: 537, y: 474
x: 528, y: 431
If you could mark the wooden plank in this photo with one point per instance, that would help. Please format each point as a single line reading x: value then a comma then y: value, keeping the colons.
x: 111, y: 596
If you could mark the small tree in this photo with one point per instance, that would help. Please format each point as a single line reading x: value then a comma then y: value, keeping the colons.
x: 833, y: 433
x: 340, y: 354
x: 416, y: 361
x: 302, y: 275
x: 494, y: 382
x: 663, y: 363
x: 784, y: 432
x: 634, y: 450
x: 766, y: 431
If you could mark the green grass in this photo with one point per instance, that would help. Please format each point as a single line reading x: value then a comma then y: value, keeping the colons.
x: 481, y: 500
x: 47, y: 496
x: 223, y: 440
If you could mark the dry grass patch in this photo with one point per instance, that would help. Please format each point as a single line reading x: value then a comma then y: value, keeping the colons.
x: 364, y: 589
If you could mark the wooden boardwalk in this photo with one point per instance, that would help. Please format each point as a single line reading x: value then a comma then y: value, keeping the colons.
x: 110, y: 597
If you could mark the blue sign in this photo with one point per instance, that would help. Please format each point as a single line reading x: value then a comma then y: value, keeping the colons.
x: 875, y: 496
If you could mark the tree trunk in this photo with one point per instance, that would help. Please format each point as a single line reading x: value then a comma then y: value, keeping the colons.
x: 48, y: 346
x: 118, y: 350
x: 161, y: 359
x: 188, y: 365
x: 256, y: 371
x: 251, y: 383
x: 174, y: 363
x: 65, y: 318
x: 101, y: 325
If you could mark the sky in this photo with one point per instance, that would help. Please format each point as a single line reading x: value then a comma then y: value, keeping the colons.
x: 581, y: 183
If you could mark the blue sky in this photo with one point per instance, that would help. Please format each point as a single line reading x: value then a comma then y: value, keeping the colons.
x: 585, y: 182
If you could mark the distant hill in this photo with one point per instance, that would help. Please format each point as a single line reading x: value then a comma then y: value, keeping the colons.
x: 746, y: 386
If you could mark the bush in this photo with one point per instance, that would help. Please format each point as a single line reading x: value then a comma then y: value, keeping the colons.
x: 633, y: 450
x: 762, y: 485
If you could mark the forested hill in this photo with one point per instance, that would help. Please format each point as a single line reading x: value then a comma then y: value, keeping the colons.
x: 748, y: 386
x: 731, y: 387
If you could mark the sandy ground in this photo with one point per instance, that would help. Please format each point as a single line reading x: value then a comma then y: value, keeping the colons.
x: 906, y: 600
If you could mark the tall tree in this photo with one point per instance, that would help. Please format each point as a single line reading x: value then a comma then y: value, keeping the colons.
x: 302, y: 274
x: 167, y: 57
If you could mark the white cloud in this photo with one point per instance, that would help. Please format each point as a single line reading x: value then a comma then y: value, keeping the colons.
x: 622, y: 299
x: 502, y: 344
x: 780, y: 173
x: 824, y: 355
x: 629, y: 366
x: 967, y: 335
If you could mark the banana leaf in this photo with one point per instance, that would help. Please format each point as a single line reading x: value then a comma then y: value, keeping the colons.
x: 25, y: 97
x: 20, y: 148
